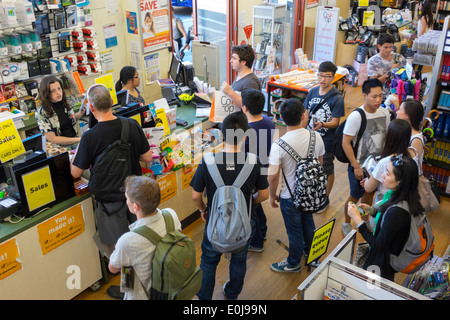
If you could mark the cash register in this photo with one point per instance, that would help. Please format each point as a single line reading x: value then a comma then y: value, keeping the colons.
x: 35, y: 181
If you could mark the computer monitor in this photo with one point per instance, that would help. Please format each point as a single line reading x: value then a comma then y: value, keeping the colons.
x: 175, y: 70
x: 34, y: 142
x: 136, y: 113
x: 62, y: 182
x: 122, y: 97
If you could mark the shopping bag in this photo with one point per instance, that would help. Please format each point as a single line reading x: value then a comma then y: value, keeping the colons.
x: 221, y: 106
x: 429, y: 194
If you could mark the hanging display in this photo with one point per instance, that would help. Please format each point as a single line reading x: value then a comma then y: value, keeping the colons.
x: 154, y: 16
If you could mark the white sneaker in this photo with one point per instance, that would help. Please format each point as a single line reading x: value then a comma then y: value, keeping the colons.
x: 346, y: 228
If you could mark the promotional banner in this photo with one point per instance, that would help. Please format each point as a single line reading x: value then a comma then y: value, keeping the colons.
x: 155, y: 24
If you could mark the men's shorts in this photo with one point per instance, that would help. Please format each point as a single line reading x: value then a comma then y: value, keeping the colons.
x: 328, y: 164
x: 356, y: 191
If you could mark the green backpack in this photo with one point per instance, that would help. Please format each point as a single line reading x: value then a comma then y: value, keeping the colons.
x: 175, y: 275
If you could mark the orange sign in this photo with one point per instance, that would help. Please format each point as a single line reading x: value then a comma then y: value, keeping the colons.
x: 168, y: 186
x: 187, y: 173
x: 9, y: 252
x: 61, y: 228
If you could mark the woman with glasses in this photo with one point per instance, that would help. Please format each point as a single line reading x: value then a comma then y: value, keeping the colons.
x: 392, y: 220
x: 55, y: 117
x: 130, y: 80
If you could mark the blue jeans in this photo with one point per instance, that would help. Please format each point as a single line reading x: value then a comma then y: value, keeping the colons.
x: 209, y: 261
x: 260, y: 227
x: 300, y: 230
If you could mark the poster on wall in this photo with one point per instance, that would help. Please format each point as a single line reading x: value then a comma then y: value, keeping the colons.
x: 326, y: 34
x: 312, y: 3
x: 154, y: 16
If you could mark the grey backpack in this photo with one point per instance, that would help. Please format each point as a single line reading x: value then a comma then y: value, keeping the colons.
x: 229, y: 226
x: 418, y: 248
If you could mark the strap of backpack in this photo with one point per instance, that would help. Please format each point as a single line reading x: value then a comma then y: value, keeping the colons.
x: 312, y: 144
x: 246, y: 170
x: 362, y: 128
x: 149, y: 234
x: 168, y: 219
x: 286, y: 147
x: 324, y: 99
x: 213, y: 170
x: 125, y: 130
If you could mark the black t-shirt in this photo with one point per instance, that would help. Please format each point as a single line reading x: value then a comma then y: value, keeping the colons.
x: 230, y: 165
x: 65, y: 123
x: 104, y: 133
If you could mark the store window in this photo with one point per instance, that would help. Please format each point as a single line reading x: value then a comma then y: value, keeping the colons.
x: 212, y: 27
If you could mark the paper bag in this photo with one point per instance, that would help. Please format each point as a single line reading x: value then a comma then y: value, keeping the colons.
x: 221, y: 107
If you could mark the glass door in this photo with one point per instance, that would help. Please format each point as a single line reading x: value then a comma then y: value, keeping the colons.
x: 212, y: 25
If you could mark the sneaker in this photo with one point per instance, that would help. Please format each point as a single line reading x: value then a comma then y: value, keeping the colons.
x: 346, y: 228
x: 255, y: 249
x: 284, y: 266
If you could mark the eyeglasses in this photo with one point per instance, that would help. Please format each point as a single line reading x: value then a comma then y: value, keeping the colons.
x: 397, y: 161
x: 319, y: 75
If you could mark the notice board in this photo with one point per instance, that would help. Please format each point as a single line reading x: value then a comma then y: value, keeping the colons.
x: 325, y: 40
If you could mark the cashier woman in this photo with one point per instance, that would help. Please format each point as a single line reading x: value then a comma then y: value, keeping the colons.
x: 55, y: 118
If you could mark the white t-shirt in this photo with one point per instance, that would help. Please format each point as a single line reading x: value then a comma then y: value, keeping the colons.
x: 377, y: 173
x: 372, y: 140
x: 133, y: 250
x: 418, y: 158
x: 299, y: 141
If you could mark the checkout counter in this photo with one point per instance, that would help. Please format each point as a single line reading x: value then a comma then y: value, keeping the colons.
x: 52, y: 254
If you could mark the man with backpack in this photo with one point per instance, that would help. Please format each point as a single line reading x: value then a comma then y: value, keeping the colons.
x: 234, y: 175
x: 111, y: 213
x: 370, y: 142
x: 141, y: 254
x: 325, y: 106
x: 286, y: 153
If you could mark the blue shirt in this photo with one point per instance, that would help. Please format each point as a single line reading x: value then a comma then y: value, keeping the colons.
x: 260, y: 137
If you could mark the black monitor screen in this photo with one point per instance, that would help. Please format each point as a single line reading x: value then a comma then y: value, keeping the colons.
x: 122, y: 97
x: 174, y: 69
x: 34, y: 143
x: 62, y: 181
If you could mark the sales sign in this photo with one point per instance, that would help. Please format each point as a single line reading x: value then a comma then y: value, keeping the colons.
x: 320, y: 241
x: 38, y: 188
x: 11, y: 145
x: 61, y: 228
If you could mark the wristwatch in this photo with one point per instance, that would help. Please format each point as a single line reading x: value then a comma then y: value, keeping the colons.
x: 203, y: 211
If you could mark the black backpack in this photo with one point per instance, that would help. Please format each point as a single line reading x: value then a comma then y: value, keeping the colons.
x: 111, y: 168
x: 339, y: 133
x: 310, y: 188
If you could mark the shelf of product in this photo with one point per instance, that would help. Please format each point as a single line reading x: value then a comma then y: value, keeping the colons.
x: 267, y: 39
x: 438, y: 115
x: 37, y: 40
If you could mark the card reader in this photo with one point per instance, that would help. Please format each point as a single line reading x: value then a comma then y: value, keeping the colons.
x: 181, y: 122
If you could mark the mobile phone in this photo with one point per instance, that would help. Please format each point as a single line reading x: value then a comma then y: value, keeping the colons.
x: 361, y: 211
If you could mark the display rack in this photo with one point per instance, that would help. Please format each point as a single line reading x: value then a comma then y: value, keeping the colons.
x: 337, y: 272
x: 437, y: 155
x: 267, y: 39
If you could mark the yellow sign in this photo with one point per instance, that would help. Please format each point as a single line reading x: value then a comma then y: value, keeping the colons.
x: 161, y: 120
x: 168, y: 186
x: 38, y: 188
x: 61, y: 228
x: 108, y: 81
x: 9, y: 254
x: 368, y: 18
x: 363, y: 3
x: 187, y: 173
x: 137, y: 118
x: 320, y: 241
x: 11, y: 145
